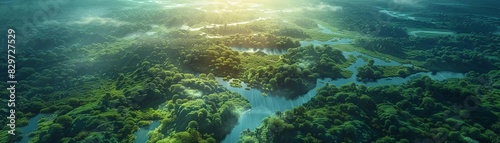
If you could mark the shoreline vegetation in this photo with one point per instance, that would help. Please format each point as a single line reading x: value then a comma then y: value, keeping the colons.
x: 371, y: 72
x: 103, y: 69
x: 397, y: 113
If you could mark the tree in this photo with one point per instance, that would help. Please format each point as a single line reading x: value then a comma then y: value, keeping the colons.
x: 202, y: 113
x: 403, y: 72
x: 371, y: 62
x: 105, y: 100
x: 279, y: 113
x: 75, y: 102
x: 203, y: 76
x: 299, y: 111
x: 273, y: 81
x: 176, y: 88
x: 427, y: 102
x: 211, y: 76
x: 276, y: 126
x: 65, y: 109
x: 65, y: 120
x: 35, y: 107
x: 193, y: 125
x: 56, y: 130
x: 178, y: 77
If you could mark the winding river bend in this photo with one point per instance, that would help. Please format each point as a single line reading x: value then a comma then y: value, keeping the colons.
x: 264, y: 106
x: 31, y: 127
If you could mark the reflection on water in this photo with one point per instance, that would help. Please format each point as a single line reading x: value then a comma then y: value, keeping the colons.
x: 186, y: 27
x: 377, y: 61
x: 268, y: 51
x: 397, y: 14
x: 325, y: 30
x: 336, y: 41
x: 274, y: 51
x: 32, y: 125
x: 264, y: 106
x: 142, y: 134
x: 414, y: 33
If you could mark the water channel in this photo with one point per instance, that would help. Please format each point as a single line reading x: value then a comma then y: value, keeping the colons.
x: 264, y: 106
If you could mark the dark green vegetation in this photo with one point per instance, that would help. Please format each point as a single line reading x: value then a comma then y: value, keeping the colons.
x: 474, y: 48
x: 464, y: 53
x: 421, y: 109
x: 296, y: 72
x: 103, y: 88
x: 102, y: 69
x: 456, y: 110
x: 105, y: 91
x: 217, y: 59
x: 372, y: 72
x: 100, y: 83
x: 361, y: 18
x: 460, y: 23
x: 293, y: 74
x: 258, y: 27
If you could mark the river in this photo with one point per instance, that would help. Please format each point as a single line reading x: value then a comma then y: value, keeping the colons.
x: 397, y: 14
x: 32, y: 126
x: 185, y: 27
x: 142, y: 134
x: 264, y: 106
x: 415, y: 33
x: 335, y: 41
x: 325, y: 30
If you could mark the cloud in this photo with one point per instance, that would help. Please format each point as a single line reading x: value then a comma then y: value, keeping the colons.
x: 323, y: 7
x: 408, y: 2
x: 99, y: 20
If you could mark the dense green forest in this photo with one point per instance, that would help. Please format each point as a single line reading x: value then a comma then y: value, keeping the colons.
x: 297, y: 71
x: 112, y: 106
x: 416, y: 111
x: 100, y: 70
x: 373, y: 72
x: 459, y: 53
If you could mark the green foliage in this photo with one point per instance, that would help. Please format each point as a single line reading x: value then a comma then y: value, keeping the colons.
x: 385, y: 139
x: 100, y: 87
x: 360, y: 18
x: 189, y: 136
x: 64, y: 120
x: 372, y: 72
x: 297, y: 70
x: 216, y: 59
x: 100, y: 136
x: 193, y: 125
x: 352, y: 113
x: 371, y: 62
x: 459, y: 53
x: 428, y: 102
x: 262, y: 41
x: 391, y: 46
x: 65, y: 109
x: 291, y: 32
x: 367, y: 72
x: 403, y: 73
